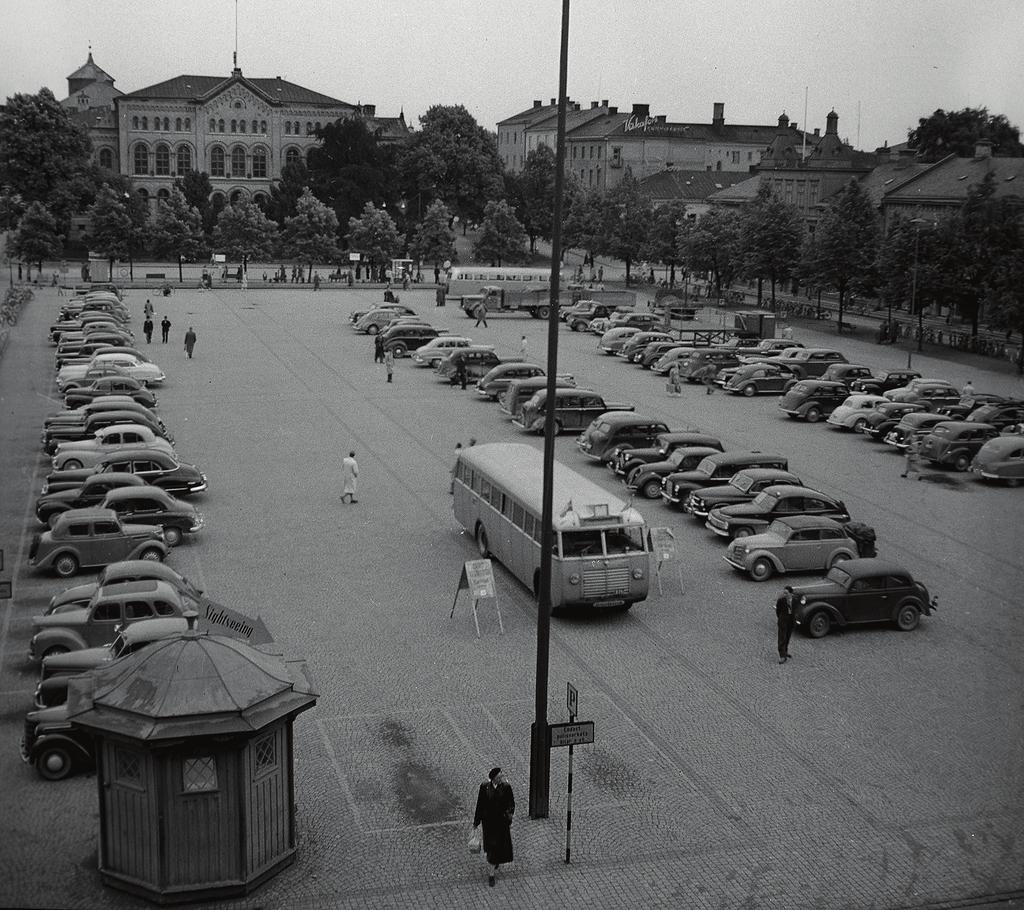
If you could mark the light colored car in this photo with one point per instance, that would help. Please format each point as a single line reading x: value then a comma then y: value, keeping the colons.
x: 86, y: 453
x: 612, y: 341
x: 373, y: 322
x: 798, y: 543
x: 852, y: 413
x: 83, y: 374
x: 126, y: 570
x: 140, y: 370
x: 1001, y: 458
x: 437, y: 349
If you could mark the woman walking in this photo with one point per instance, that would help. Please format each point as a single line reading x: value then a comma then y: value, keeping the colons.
x: 495, y: 806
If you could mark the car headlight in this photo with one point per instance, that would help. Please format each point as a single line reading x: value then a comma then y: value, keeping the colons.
x: 638, y: 573
x: 802, y: 599
x: 574, y: 579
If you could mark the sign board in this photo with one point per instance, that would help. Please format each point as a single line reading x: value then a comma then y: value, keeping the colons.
x: 663, y: 542
x: 479, y: 576
x: 572, y: 698
x: 223, y: 620
x: 570, y: 734
x: 354, y: 257
x: 219, y: 257
x: 6, y: 592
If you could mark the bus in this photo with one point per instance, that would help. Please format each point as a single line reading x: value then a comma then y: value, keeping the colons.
x: 600, y: 555
x: 504, y: 290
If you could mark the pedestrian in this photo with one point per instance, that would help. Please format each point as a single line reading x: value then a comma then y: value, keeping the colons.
x: 461, y: 374
x: 316, y: 282
x: 523, y: 348
x: 437, y: 275
x: 190, y: 341
x: 389, y: 363
x: 349, y: 477
x: 913, y: 457
x: 60, y: 289
x: 968, y: 390
x: 481, y: 313
x: 458, y: 451
x: 674, y: 385
x: 495, y: 806
x: 148, y: 309
x: 784, y: 617
x: 165, y: 328
x: 378, y: 348
x: 707, y: 376
x: 147, y: 327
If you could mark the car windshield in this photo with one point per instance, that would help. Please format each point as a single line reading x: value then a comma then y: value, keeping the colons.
x: 941, y: 430
x: 742, y: 482
x: 765, y: 500
x: 801, y: 388
x: 707, y: 466
x: 780, y: 528
x: 839, y: 575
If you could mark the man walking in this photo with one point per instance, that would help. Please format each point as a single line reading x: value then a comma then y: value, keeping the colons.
x: 495, y: 806
x: 378, y: 348
x: 165, y: 329
x: 913, y: 456
x: 523, y: 348
x: 190, y: 341
x: 349, y: 477
x: 784, y: 617
x: 481, y: 314
x: 147, y: 328
x: 389, y: 363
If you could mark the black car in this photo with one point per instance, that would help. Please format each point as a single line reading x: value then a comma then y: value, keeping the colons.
x: 862, y: 591
x: 883, y: 418
x: 883, y: 381
x: 90, y: 493
x: 776, y: 501
x: 401, y: 339
x: 110, y: 385
x: 846, y: 373
x: 812, y: 399
x: 715, y: 470
x: 70, y: 432
x: 633, y: 349
x: 624, y: 459
x: 646, y: 478
x: 1002, y: 415
x: 161, y: 469
x: 743, y: 487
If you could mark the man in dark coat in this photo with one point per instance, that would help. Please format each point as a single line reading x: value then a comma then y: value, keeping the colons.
x: 495, y: 806
x: 378, y: 348
x: 784, y: 615
x: 165, y: 328
x: 190, y: 341
x: 147, y: 328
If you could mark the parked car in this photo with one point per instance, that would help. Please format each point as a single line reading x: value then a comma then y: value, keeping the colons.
x: 773, y: 355
x: 58, y: 434
x: 574, y: 410
x: 636, y: 320
x: 768, y: 347
x: 812, y: 399
x: 932, y: 393
x: 811, y: 362
x: 497, y: 379
x: 1001, y: 458
x: 616, y: 428
x: 88, y: 538
x: 795, y: 543
x: 852, y: 414
x: 435, y: 350
x: 715, y: 470
x: 91, y: 493
x: 111, y: 385
x: 520, y: 391
x: 126, y: 570
x: 404, y: 338
x: 777, y: 501
x: 678, y: 355
x: 149, y: 374
x: 628, y: 458
x: 149, y: 505
x: 757, y: 379
x: 879, y: 383
x: 372, y: 322
x: 398, y: 308
x: 633, y: 349
x: 654, y: 351
x: 85, y: 374
x: 86, y: 453
x: 693, y: 368
x: 162, y: 469
x: 861, y: 591
x: 954, y: 443
x: 646, y: 478
x: 743, y: 486
x: 883, y: 418
x: 477, y: 360
x: 1003, y: 415
x: 53, y: 745
x: 97, y: 406
x: 579, y: 316
x: 612, y: 341
x: 917, y: 423
x: 967, y: 406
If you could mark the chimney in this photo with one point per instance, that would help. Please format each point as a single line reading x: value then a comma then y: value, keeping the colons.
x: 576, y: 106
x: 661, y: 118
x: 613, y: 110
x: 593, y: 104
x: 832, y: 123
x: 370, y: 110
x: 983, y: 148
x: 641, y: 110
x: 537, y: 103
x: 553, y: 102
x: 604, y: 103
x: 817, y: 132
x: 718, y: 117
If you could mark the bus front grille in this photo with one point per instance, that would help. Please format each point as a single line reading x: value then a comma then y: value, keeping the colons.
x: 603, y: 582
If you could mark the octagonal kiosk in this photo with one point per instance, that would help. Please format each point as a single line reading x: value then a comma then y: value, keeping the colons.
x: 194, y: 765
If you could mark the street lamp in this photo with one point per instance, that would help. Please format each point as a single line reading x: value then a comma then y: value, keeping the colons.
x: 917, y: 222
x: 128, y: 239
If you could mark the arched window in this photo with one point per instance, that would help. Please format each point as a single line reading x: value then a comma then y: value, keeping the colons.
x: 177, y: 124
x: 238, y: 162
x: 145, y: 123
x: 309, y: 127
x: 184, y: 159
x: 287, y: 127
x: 140, y: 159
x: 259, y: 162
x: 106, y: 159
x: 317, y: 126
x: 144, y: 196
x: 291, y: 156
x: 167, y: 124
x: 254, y: 126
x: 263, y: 127
x: 234, y: 126
x: 237, y: 196
x: 135, y: 123
x: 163, y: 160
x: 188, y: 123
x: 241, y: 126
x: 260, y: 199
x: 220, y: 126
x: 162, y: 196
x: 216, y: 161
x: 213, y: 125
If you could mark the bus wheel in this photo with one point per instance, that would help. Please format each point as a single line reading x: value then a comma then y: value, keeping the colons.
x: 481, y: 542
x: 543, y: 312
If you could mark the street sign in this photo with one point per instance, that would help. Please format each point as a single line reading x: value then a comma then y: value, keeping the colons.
x: 663, y: 543
x: 571, y: 699
x: 480, y: 577
x: 570, y: 734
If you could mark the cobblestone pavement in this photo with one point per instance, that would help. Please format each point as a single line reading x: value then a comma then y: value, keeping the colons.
x: 875, y: 770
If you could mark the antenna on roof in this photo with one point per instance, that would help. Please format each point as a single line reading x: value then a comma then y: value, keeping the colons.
x: 235, y: 58
x: 803, y: 147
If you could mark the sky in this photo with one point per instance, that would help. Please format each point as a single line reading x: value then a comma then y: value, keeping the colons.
x: 880, y: 64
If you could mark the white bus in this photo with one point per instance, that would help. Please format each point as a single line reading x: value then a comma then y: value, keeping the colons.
x: 600, y: 555
x: 510, y: 289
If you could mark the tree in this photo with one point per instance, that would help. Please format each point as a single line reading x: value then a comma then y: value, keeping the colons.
x: 197, y: 189
x: 286, y: 192
x: 40, y: 146
x: 375, y: 235
x: 662, y: 244
x: 957, y: 132
x: 535, y: 192
x: 434, y: 240
x: 311, y: 234
x: 36, y: 237
x: 455, y: 156
x: 110, y: 225
x: 176, y: 231
x: 584, y: 225
x: 627, y: 215
x: 712, y: 245
x: 846, y: 244
x: 771, y: 237
x: 502, y: 236
x: 243, y: 232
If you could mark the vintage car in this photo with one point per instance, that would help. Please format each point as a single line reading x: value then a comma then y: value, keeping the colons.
x: 812, y: 399
x: 477, y: 360
x: 883, y: 418
x: 161, y: 469
x: 1001, y: 458
x: 810, y: 362
x: 954, y: 443
x: 98, y: 406
x: 125, y: 570
x: 714, y: 471
x: 852, y: 414
x: 397, y: 308
x: 53, y: 745
x: 435, y: 350
x: 110, y: 385
x: 633, y: 349
x: 627, y: 458
x: 617, y: 428
x: 917, y: 423
x: 636, y: 320
x: 932, y: 393
x: 795, y: 543
x: 144, y: 371
x: 497, y: 379
x: 678, y: 356
x: 694, y: 368
x: 743, y: 486
x: 86, y: 376
x: 85, y: 453
x: 861, y: 591
x: 768, y: 347
x: 91, y: 493
x: 779, y: 353
x: 89, y: 538
x: 574, y: 410
x: 967, y: 406
x: 646, y: 478
x: 654, y: 351
x: 149, y: 505
x: 374, y: 321
x: 57, y: 434
x: 401, y: 339
x: 579, y: 316
x: 846, y: 373
x: 611, y: 342
x: 520, y: 391
x: 757, y: 379
x: 879, y: 383
x: 1002, y: 415
x: 776, y: 501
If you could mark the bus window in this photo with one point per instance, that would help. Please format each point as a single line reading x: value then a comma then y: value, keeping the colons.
x: 506, y: 507
x: 625, y: 540
x: 530, y: 527
x: 517, y: 515
x: 485, y: 490
x: 496, y: 498
x: 581, y: 543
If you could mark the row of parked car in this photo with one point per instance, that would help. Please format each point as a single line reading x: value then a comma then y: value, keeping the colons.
x: 110, y: 503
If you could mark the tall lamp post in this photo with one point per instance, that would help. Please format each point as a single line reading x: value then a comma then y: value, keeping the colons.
x: 917, y: 222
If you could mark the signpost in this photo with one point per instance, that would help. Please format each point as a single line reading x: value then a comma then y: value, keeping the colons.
x: 478, y: 578
x: 570, y: 734
x: 663, y: 543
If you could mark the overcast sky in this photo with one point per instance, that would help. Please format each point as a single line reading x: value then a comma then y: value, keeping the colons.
x: 881, y: 64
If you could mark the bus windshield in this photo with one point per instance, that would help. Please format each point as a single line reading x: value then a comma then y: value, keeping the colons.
x: 607, y: 542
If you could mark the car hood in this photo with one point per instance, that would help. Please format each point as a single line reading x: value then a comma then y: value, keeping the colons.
x: 76, y: 592
x: 764, y: 539
x: 722, y: 494
x: 823, y: 588
x: 76, y: 660
x: 58, y: 620
x: 741, y: 510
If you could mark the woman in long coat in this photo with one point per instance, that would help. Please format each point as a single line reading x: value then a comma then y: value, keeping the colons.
x: 495, y: 806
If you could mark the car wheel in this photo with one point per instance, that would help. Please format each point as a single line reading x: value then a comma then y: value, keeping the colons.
x: 961, y: 463
x: 652, y: 488
x: 543, y: 312
x: 72, y: 464
x: 859, y: 424
x: 574, y: 326
x: 172, y: 536
x: 741, y: 532
x: 558, y: 428
x: 813, y: 415
x: 152, y: 554
x: 398, y: 350
x: 908, y: 618
x: 761, y: 569
x: 56, y: 649
x: 481, y: 542
x: 819, y: 625
x: 53, y: 763
x: 838, y: 558
x: 65, y: 565
x: 750, y: 390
